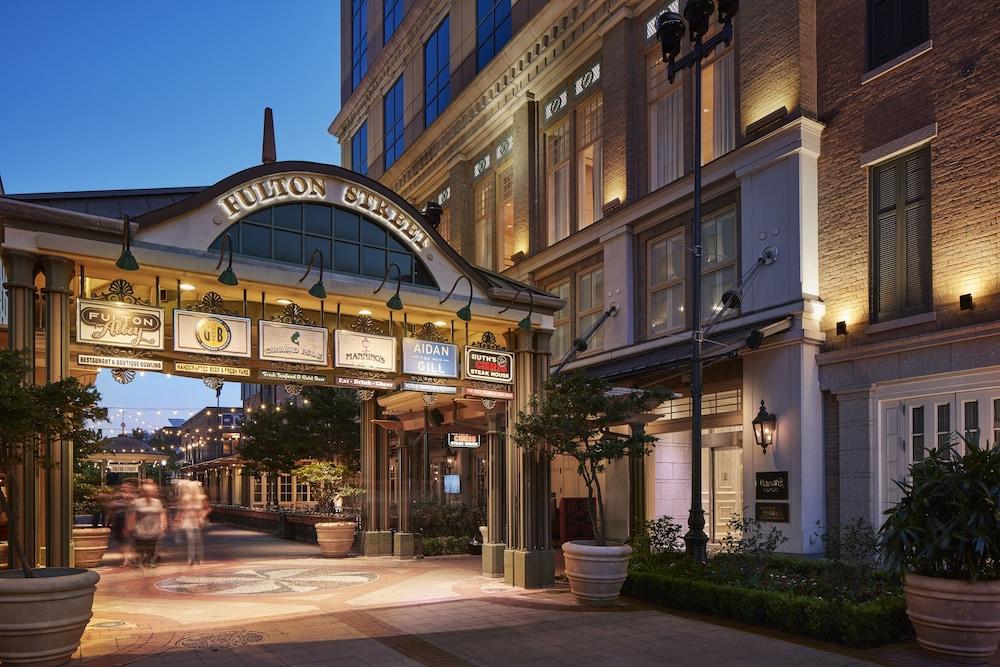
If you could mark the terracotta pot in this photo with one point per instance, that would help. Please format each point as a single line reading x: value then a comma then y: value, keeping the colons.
x: 335, y: 538
x: 89, y: 545
x: 959, y: 619
x: 42, y: 619
x: 596, y: 574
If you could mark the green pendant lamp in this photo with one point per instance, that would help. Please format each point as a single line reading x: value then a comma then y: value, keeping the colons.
x: 465, y: 312
x: 227, y: 277
x: 317, y: 290
x: 126, y: 262
x: 525, y: 323
x: 394, y: 302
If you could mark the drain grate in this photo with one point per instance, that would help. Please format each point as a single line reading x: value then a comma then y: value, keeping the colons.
x: 225, y: 639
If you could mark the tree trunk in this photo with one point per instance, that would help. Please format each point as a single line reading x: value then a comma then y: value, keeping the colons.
x: 602, y: 519
x: 12, y: 519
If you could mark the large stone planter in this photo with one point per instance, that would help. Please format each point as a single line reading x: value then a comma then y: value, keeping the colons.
x: 335, y: 538
x: 596, y: 574
x: 42, y: 619
x: 959, y: 619
x: 89, y: 545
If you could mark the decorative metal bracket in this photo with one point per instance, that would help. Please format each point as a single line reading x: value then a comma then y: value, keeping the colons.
x: 366, y: 325
x: 214, y: 383
x: 119, y: 290
x: 293, y: 314
x: 366, y: 394
x: 489, y: 342
x: 211, y: 302
x: 122, y: 375
x: 293, y: 389
x: 429, y: 332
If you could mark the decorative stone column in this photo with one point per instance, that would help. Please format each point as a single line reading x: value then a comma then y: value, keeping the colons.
x: 493, y: 550
x: 19, y: 267
x: 529, y: 560
x: 377, y: 539
x: 402, y: 540
x: 59, y: 474
x: 636, y: 485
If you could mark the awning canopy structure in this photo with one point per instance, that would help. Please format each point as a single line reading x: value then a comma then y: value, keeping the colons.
x: 124, y: 449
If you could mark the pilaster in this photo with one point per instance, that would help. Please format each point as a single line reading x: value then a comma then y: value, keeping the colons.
x: 495, y: 499
x: 527, y: 225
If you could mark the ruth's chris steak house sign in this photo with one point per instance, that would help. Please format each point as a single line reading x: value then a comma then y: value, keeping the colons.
x: 271, y: 190
x: 489, y: 365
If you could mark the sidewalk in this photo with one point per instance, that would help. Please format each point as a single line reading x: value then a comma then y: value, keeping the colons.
x: 265, y: 601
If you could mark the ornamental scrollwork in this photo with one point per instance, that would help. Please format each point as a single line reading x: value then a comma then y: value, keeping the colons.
x: 211, y: 302
x: 489, y: 342
x: 293, y: 314
x: 366, y: 325
x: 119, y: 290
x: 122, y: 375
x: 428, y: 331
x: 214, y: 383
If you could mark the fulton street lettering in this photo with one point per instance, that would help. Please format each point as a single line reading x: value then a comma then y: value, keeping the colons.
x: 429, y: 358
x: 368, y: 202
x: 119, y: 325
x: 267, y: 191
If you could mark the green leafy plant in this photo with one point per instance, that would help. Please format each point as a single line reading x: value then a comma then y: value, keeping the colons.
x: 32, y: 414
x: 432, y: 518
x: 446, y: 546
x: 947, y: 524
x: 275, y: 440
x: 659, y: 536
x: 747, y: 536
x: 332, y: 417
x: 581, y: 417
x: 327, y: 481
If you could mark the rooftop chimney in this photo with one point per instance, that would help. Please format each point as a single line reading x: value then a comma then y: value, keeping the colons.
x: 268, y: 153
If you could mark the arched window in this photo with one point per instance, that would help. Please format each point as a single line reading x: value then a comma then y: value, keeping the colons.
x: 350, y: 243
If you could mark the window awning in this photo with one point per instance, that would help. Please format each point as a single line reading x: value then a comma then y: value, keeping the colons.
x: 720, y: 344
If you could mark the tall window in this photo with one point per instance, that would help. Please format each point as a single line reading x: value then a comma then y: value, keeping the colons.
x: 943, y: 428
x: 557, y: 152
x: 588, y: 152
x: 301, y: 491
x: 392, y: 110
x: 493, y: 29
x: 437, y: 73
x: 359, y: 41
x: 996, y: 422
x: 917, y: 433
x: 718, y: 242
x: 901, y: 235
x: 590, y: 305
x: 483, y: 223
x: 285, y: 488
x: 718, y: 112
x: 895, y: 27
x: 505, y: 215
x: 359, y: 150
x: 562, y: 332
x: 392, y: 16
x: 971, y: 414
x: 666, y: 284
x: 666, y: 125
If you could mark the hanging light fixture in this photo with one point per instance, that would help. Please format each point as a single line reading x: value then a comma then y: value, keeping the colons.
x: 126, y: 261
x: 465, y: 312
x: 227, y: 277
x: 394, y: 302
x: 525, y: 323
x: 764, y: 426
x: 316, y: 290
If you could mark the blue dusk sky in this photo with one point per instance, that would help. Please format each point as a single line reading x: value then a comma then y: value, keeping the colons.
x: 103, y: 95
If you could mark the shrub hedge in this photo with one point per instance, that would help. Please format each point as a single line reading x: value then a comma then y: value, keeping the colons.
x: 445, y: 546
x: 872, y: 623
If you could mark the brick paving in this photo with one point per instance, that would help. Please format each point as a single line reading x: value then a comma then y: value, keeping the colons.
x: 432, y: 612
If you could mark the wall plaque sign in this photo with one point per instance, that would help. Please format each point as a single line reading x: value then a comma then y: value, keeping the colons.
x: 120, y: 362
x: 122, y: 467
x: 463, y: 440
x: 293, y: 343
x: 773, y: 512
x: 211, y: 369
x: 480, y: 392
x: 367, y: 352
x: 119, y: 324
x: 365, y: 383
x: 772, y: 485
x: 489, y: 365
x: 208, y: 333
x: 429, y: 388
x: 430, y: 358
x: 285, y: 376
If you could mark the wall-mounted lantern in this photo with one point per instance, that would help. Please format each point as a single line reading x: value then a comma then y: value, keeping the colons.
x: 126, y: 261
x: 316, y: 290
x: 525, y: 323
x: 465, y: 312
x: 394, y: 302
x: 227, y: 277
x: 764, y: 426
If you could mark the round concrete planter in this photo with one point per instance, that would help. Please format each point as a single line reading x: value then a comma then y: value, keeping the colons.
x: 89, y: 545
x: 959, y: 619
x: 596, y: 574
x: 42, y: 619
x: 335, y: 538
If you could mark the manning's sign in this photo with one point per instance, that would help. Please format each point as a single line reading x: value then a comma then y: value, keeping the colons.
x: 364, y: 351
x: 119, y: 324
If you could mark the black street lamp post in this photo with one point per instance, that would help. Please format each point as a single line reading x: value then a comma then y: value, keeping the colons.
x: 670, y: 30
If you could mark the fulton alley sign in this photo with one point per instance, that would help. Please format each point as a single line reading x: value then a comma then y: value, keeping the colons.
x: 119, y: 325
x: 430, y: 358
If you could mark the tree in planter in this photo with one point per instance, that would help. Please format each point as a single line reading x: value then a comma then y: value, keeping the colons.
x: 274, y: 440
x: 576, y: 416
x: 332, y: 416
x: 327, y: 480
x: 31, y: 414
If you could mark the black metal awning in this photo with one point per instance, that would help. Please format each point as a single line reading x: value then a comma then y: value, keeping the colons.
x: 718, y: 345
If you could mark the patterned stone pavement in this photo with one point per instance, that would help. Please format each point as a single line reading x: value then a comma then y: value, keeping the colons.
x: 264, y: 601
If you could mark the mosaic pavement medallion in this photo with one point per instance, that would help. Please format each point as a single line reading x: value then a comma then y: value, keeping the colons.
x: 224, y: 639
x: 265, y: 581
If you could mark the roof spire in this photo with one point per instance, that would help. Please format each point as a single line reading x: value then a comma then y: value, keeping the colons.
x: 268, y: 153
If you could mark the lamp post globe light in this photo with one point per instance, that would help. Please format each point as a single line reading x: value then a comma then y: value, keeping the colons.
x: 670, y: 31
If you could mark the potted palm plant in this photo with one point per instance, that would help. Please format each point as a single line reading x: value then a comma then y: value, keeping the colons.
x: 581, y: 417
x: 943, y: 537
x: 329, y: 483
x: 43, y: 611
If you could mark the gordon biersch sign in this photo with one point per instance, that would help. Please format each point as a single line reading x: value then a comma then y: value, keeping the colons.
x: 205, y: 333
x: 364, y: 351
x: 489, y: 365
x: 293, y: 343
x: 119, y: 325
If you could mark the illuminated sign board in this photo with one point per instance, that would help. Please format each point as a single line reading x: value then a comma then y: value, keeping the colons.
x: 463, y: 440
x: 365, y: 383
x: 477, y: 392
x: 428, y: 388
x: 285, y: 376
x: 207, y: 333
x: 365, y: 352
x: 119, y: 324
x: 211, y: 369
x: 293, y: 343
x: 430, y: 358
x: 120, y: 362
x: 269, y: 191
x: 489, y: 365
